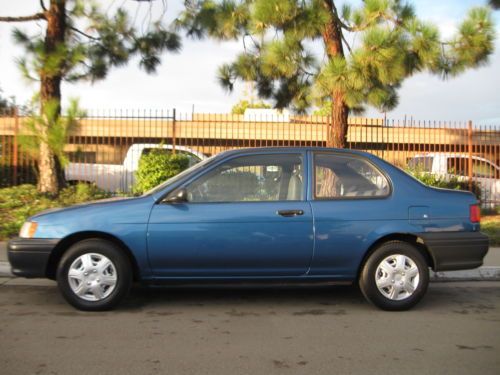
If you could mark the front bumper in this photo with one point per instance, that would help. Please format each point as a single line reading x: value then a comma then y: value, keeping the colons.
x: 29, y: 257
x: 456, y: 250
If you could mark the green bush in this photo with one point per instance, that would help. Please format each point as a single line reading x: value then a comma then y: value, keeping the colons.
x: 81, y: 193
x: 158, y: 166
x: 240, y: 107
x: 25, y: 175
x: 20, y: 202
x: 446, y: 183
x: 486, y: 211
x: 491, y: 227
x: 16, y: 204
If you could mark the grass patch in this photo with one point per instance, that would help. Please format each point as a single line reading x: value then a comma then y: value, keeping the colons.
x: 490, y: 225
x: 20, y: 202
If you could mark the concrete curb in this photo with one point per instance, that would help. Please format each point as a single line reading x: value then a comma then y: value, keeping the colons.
x: 5, y: 269
x: 478, y: 274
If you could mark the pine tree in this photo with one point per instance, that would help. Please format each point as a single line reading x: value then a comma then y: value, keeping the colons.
x: 7, y: 105
x: 81, y: 42
x: 240, y: 107
x: 368, y: 50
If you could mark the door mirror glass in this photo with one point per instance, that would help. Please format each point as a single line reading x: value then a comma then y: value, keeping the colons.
x: 178, y: 196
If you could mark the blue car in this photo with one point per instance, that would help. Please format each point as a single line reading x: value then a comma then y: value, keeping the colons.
x: 267, y: 215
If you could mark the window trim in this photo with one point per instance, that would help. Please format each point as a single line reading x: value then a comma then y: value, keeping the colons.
x: 184, y: 184
x: 354, y: 156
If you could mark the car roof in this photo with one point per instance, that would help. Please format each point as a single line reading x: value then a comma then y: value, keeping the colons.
x: 201, y: 155
x: 287, y: 149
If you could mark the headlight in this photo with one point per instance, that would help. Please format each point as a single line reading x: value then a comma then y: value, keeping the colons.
x: 28, y: 229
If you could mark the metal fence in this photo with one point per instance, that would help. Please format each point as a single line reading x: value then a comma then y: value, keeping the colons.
x: 106, y: 146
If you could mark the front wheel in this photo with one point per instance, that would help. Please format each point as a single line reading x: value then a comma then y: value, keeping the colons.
x: 395, y: 276
x: 94, y: 275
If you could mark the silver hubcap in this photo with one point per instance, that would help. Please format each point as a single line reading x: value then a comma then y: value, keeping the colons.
x: 397, y: 277
x: 92, y: 277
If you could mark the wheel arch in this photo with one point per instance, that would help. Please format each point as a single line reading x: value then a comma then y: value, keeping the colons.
x: 63, y: 245
x: 411, y: 238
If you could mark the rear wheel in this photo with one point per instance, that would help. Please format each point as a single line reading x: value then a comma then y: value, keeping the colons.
x: 94, y: 275
x: 395, y: 276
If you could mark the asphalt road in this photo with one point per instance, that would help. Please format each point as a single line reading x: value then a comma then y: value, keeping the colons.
x: 455, y: 330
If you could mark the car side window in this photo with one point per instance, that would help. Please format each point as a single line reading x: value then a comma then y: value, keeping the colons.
x: 457, y: 166
x: 480, y: 168
x: 421, y: 163
x: 338, y: 176
x: 257, y: 178
x: 483, y: 169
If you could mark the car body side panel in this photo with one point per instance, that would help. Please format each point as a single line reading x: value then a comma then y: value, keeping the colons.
x: 250, y: 240
x: 230, y: 239
x: 124, y: 219
x: 345, y: 229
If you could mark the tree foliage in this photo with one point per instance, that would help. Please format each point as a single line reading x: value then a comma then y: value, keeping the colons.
x: 240, y: 107
x: 95, y: 41
x: 7, y: 105
x: 50, y: 128
x: 81, y: 41
x: 366, y: 51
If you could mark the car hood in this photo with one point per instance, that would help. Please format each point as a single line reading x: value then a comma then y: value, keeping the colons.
x: 90, y: 204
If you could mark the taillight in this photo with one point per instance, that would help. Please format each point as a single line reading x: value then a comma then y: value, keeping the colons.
x: 475, y: 213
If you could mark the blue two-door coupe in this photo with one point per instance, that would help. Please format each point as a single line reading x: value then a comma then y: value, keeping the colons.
x: 265, y: 215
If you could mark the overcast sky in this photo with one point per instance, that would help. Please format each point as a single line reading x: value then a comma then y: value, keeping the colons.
x: 188, y: 79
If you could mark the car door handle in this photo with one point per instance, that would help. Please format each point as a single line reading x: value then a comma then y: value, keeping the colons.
x: 290, y: 213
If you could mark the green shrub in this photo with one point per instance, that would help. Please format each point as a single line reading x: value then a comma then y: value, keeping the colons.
x: 80, y: 193
x: 485, y: 211
x: 25, y: 175
x: 446, y: 183
x: 20, y: 202
x: 240, y: 107
x: 156, y: 167
x: 491, y: 227
x: 16, y: 204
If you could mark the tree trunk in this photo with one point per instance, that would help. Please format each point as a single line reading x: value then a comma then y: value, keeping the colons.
x: 338, y: 126
x: 51, y: 175
x: 332, y: 39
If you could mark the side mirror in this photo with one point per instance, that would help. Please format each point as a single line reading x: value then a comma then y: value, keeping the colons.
x: 180, y: 196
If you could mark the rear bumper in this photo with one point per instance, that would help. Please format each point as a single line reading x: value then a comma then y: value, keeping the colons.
x: 28, y: 257
x: 456, y: 250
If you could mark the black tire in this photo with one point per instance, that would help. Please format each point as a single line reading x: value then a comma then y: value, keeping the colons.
x: 122, y: 270
x: 367, y: 279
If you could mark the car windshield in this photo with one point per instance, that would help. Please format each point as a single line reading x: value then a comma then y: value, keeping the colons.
x: 179, y: 176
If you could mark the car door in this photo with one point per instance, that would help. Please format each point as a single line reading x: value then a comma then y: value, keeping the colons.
x: 350, y: 201
x: 246, y: 216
